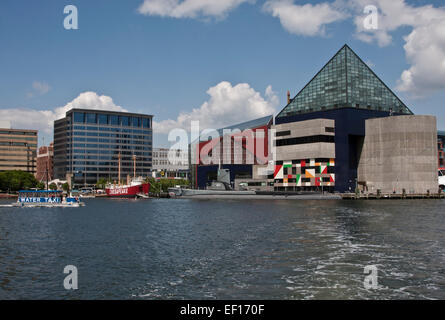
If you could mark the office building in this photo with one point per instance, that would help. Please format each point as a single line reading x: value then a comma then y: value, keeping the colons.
x: 89, y: 143
x: 18, y: 150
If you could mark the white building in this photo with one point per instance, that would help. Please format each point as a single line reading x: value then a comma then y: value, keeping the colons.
x: 169, y: 163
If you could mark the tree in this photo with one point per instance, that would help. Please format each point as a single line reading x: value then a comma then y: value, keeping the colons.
x: 40, y: 186
x: 53, y: 186
x: 101, y: 183
x: 162, y: 185
x: 66, y: 187
x: 17, y: 180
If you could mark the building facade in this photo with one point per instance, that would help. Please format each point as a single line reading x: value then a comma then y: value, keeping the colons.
x: 304, y: 155
x: 18, y: 150
x: 334, y: 108
x: 89, y: 143
x: 399, y: 155
x: 441, y: 148
x: 45, y: 163
x: 239, y: 148
x: 170, y: 163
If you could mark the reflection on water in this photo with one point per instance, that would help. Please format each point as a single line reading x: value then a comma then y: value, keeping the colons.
x: 192, y: 249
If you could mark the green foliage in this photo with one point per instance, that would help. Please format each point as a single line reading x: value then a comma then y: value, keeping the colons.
x: 40, y: 186
x: 53, y: 186
x: 101, y: 183
x: 66, y: 187
x: 162, y: 185
x: 17, y: 180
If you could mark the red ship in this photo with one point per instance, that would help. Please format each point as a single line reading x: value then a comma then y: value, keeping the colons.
x: 137, y: 186
x: 134, y: 189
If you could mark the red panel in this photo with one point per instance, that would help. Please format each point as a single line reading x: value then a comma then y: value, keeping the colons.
x: 277, y: 168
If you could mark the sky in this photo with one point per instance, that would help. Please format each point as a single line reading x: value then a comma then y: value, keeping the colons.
x: 220, y: 62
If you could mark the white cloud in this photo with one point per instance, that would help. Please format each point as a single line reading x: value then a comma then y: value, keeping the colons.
x: 189, y: 8
x: 424, y: 45
x: 43, y: 120
x: 227, y: 105
x: 307, y: 19
x: 40, y: 88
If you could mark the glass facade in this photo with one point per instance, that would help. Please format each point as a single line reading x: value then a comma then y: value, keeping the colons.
x: 87, y: 144
x: 345, y: 81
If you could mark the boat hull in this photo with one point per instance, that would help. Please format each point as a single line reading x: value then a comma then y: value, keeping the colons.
x: 128, y: 191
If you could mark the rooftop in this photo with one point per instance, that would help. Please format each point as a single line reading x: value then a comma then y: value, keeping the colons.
x: 345, y: 81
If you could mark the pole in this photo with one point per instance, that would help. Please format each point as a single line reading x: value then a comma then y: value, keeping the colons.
x: 119, y: 168
x: 134, y: 166
x: 46, y: 175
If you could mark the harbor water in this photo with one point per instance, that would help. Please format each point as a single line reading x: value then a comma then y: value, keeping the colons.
x: 225, y: 249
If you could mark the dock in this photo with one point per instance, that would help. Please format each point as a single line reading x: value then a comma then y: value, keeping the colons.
x: 391, y: 196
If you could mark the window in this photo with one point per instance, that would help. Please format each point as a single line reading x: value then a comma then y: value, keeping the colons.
x: 304, y: 140
x: 102, y: 118
x: 79, y: 117
x: 283, y: 133
x: 91, y: 118
x: 146, y: 122
x: 114, y: 120
x: 136, y: 121
x: 125, y: 121
x: 329, y: 129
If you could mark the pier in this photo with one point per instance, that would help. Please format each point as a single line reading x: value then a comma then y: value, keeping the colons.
x: 391, y: 196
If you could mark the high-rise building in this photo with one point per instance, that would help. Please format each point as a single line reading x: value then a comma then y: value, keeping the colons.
x: 45, y: 159
x: 18, y: 150
x: 89, y: 143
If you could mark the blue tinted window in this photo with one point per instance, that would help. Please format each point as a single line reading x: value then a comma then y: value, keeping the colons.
x: 91, y: 118
x: 79, y: 117
x: 146, y: 122
x: 136, y: 121
x: 125, y: 121
x: 102, y: 118
x: 114, y: 120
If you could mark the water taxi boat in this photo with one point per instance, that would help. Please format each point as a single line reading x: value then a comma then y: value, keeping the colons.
x: 46, y: 198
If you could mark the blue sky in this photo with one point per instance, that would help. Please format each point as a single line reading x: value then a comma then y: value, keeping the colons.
x: 165, y: 65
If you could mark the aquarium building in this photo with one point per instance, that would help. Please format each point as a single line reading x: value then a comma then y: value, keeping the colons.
x: 321, y: 135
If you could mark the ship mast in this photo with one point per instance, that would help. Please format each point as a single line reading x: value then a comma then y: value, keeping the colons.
x: 119, y: 168
x: 134, y: 166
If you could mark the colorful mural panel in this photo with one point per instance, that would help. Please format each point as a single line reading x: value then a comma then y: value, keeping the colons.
x: 305, y: 173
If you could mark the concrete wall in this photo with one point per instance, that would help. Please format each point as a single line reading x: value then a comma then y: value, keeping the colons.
x: 303, y: 129
x: 400, y: 152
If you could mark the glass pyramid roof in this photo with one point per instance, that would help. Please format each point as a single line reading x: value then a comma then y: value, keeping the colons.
x: 345, y: 81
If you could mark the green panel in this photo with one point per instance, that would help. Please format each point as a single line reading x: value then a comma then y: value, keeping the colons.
x: 345, y: 81
x: 298, y: 178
